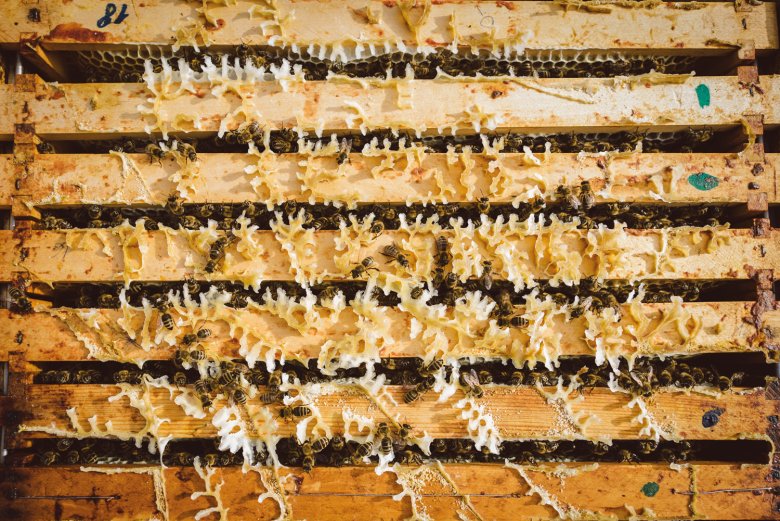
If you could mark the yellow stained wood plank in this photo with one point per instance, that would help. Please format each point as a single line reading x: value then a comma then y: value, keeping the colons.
x: 519, y: 412
x: 337, y: 494
x: 534, y: 24
x: 42, y: 337
x: 51, y: 493
x: 7, y: 112
x: 771, y: 86
x: 47, y: 257
x: 71, y: 111
x: 73, y: 177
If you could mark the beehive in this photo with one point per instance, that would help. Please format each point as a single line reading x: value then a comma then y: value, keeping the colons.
x: 581, y: 194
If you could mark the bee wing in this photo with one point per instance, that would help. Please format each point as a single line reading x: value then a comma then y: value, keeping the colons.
x: 471, y: 378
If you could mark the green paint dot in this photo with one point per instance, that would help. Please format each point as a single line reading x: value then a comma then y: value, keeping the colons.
x: 703, y: 181
x: 650, y: 488
x: 703, y: 93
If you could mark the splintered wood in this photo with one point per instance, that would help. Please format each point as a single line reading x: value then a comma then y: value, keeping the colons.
x: 322, y: 260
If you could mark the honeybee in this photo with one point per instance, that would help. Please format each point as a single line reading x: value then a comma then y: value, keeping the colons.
x: 175, y: 205
x: 361, y: 451
x: 275, y: 379
x: 438, y: 446
x: 647, y: 446
x: 385, y: 445
x: 600, y: 448
x: 239, y: 396
x: 127, y: 376
x: 269, y: 397
x: 94, y: 211
x: 416, y: 292
x: 337, y: 442
x: 565, y: 194
x: 626, y: 456
x: 382, y: 429
x: 180, y: 379
x: 290, y: 208
x: 283, y: 141
x: 443, y: 255
x: 320, y: 444
x: 483, y: 205
x: 438, y: 277
x: 408, y: 457
x: 486, y: 279
x: 205, y: 401
x: 155, y: 153
x: 363, y: 268
x: 504, y: 302
x: 72, y: 457
x: 298, y: 411
x: 248, y: 209
x: 44, y: 147
x: 412, y: 395
x: 470, y: 380
x: 64, y: 444
x: 87, y: 376
x: 516, y: 378
x: 307, y: 463
x: 188, y: 151
x: 433, y: 367
x: 227, y: 377
x: 587, y: 197
x: 518, y: 321
x: 197, y: 354
x: 391, y: 251
x: 167, y: 320
x: 377, y: 228
x: 404, y: 431
x: 485, y: 377
x: 344, y: 148
x: 545, y: 446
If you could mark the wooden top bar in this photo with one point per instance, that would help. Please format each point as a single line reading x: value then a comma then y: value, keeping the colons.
x: 85, y: 111
x: 519, y: 412
x: 724, y: 328
x: 339, y: 494
x: 711, y: 28
x: 634, y: 176
x: 170, y: 258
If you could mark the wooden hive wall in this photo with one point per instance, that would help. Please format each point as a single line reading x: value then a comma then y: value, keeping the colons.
x: 545, y: 456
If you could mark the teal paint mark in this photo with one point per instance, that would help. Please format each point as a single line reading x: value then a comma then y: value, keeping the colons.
x: 703, y: 181
x: 650, y: 488
x: 703, y: 93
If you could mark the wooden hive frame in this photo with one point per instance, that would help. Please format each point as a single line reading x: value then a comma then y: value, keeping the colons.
x: 742, y: 107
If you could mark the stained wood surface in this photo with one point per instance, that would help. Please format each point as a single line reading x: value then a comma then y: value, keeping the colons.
x: 710, y: 29
x: 7, y: 112
x: 81, y: 111
x: 73, y: 177
x: 496, y: 492
x: 47, y: 257
x: 519, y: 412
x: 43, y: 337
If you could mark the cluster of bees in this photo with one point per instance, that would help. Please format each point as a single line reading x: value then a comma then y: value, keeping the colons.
x: 286, y: 140
x: 336, y: 451
x: 567, y: 205
x: 601, y: 294
x: 71, y: 452
x: 464, y: 63
x: 231, y: 378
